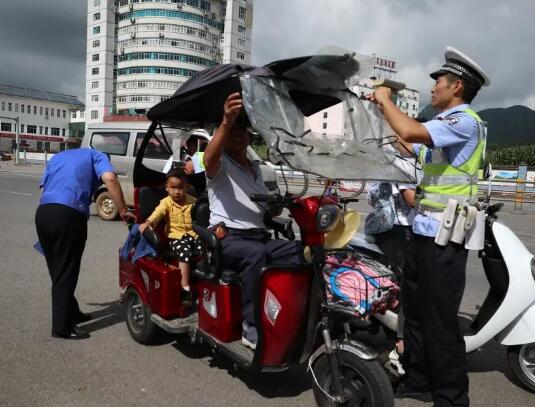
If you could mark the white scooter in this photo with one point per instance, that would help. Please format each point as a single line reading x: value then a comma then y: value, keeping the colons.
x: 508, y: 312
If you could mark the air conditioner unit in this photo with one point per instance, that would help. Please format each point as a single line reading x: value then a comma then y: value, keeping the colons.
x: 179, y: 6
x: 133, y: 20
x: 161, y: 35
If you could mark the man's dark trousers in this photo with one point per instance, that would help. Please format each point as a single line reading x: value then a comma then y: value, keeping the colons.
x: 62, y: 233
x: 435, y: 352
x: 247, y: 252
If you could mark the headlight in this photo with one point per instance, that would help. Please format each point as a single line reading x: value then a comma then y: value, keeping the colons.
x: 327, y: 218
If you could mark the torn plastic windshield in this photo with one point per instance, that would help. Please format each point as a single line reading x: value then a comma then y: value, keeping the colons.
x: 361, y: 147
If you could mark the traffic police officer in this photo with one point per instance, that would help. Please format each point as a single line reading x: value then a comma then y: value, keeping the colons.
x: 68, y: 184
x: 449, y: 147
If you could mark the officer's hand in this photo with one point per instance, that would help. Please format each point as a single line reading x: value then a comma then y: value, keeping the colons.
x: 232, y: 108
x: 381, y: 95
x: 128, y: 217
x: 188, y: 168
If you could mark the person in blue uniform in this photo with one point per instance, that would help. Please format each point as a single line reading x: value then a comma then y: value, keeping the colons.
x: 68, y: 185
x: 449, y: 148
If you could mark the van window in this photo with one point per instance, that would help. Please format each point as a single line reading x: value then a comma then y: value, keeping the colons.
x: 113, y: 143
x: 154, y: 149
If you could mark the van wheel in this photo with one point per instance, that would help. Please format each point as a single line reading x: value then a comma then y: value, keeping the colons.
x: 106, y: 208
x: 138, y: 321
x: 521, y: 359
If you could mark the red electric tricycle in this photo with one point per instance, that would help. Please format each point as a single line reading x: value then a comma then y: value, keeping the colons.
x: 296, y: 322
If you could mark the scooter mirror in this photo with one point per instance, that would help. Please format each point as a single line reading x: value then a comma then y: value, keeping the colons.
x: 487, y: 172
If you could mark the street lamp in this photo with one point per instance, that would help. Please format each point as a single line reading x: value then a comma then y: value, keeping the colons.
x: 16, y: 120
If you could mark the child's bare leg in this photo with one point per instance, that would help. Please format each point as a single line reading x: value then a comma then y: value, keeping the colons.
x: 184, y: 271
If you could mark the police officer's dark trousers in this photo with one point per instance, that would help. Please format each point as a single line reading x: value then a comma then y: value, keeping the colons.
x: 435, y: 355
x: 247, y: 252
x: 62, y: 233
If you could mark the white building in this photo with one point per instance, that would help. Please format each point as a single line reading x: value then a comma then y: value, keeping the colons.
x: 331, y: 120
x: 43, y: 118
x: 139, y: 52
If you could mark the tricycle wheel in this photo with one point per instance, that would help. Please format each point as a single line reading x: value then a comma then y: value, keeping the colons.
x: 365, y: 382
x: 521, y: 359
x: 106, y: 208
x: 138, y: 321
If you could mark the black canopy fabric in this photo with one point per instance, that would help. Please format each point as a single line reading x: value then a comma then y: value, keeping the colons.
x: 199, y: 101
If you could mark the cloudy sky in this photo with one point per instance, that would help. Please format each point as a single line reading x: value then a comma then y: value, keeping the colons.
x: 43, y: 42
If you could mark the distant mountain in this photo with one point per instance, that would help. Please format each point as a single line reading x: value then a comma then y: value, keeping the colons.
x: 514, y: 125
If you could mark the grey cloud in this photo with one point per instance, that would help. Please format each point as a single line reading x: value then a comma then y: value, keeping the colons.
x: 43, y: 42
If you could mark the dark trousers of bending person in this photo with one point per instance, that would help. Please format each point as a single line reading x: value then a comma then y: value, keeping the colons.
x: 62, y: 233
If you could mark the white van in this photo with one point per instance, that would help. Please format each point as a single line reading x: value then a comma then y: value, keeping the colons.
x: 121, y: 141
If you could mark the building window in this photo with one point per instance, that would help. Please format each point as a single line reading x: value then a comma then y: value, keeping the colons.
x: 46, y: 112
x: 96, y: 16
x: 94, y: 85
x: 35, y: 110
x: 47, y: 145
x: 22, y: 128
x: 94, y: 71
x: 52, y: 112
x: 241, y: 42
x: 41, y: 110
x: 32, y: 129
x: 205, y: 5
x: 16, y: 107
x: 241, y: 29
x: 96, y: 43
x: 54, y: 131
x: 58, y: 113
x: 94, y: 114
x: 64, y: 114
x: 240, y: 55
x: 29, y: 110
x: 82, y: 114
x: 22, y: 108
x: 63, y: 132
x: 96, y: 3
x: 96, y: 29
x: 324, y: 125
x: 40, y: 129
x: 73, y: 114
x: 3, y: 105
x: 9, y: 106
x: 95, y: 57
x: 5, y: 127
x: 242, y: 12
x: 325, y: 114
x: 46, y: 131
x: 94, y: 98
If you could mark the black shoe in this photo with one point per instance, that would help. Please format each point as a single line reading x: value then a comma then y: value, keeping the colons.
x: 71, y: 333
x: 405, y: 392
x: 82, y: 317
x: 187, y: 297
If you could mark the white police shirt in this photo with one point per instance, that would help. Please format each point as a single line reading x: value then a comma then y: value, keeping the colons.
x: 228, y: 194
x: 457, y: 133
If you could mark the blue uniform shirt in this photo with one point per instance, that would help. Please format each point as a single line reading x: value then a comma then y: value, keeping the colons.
x: 457, y: 133
x: 72, y: 177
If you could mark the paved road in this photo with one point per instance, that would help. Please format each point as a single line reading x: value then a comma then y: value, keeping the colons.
x: 110, y: 369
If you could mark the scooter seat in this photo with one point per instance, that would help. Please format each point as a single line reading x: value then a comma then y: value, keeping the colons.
x: 230, y: 277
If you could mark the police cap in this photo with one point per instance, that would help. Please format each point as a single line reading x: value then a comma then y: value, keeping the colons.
x: 459, y: 64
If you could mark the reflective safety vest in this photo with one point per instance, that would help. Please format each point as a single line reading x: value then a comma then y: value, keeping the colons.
x: 442, y: 181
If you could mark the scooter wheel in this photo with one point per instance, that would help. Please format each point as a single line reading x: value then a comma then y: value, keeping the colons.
x: 365, y: 382
x: 138, y: 321
x: 521, y: 359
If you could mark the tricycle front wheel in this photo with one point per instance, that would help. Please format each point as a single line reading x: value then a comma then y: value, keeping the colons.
x: 365, y: 382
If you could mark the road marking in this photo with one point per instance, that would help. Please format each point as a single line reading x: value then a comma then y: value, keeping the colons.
x: 16, y: 193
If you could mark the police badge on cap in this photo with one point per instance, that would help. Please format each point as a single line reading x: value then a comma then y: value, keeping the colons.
x: 459, y: 64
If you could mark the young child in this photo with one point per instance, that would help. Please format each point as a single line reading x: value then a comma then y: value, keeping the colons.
x: 176, y: 209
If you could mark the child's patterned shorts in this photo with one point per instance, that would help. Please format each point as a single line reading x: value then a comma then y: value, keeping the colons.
x: 185, y: 248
